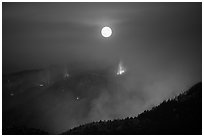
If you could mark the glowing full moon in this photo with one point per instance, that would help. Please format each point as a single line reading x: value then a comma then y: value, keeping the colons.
x: 106, y: 32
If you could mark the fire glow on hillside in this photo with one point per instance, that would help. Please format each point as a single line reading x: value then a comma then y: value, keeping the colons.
x: 121, y: 69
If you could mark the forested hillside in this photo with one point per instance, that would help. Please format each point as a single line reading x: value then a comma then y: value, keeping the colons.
x: 181, y: 115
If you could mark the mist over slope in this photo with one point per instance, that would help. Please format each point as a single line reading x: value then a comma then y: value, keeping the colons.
x: 62, y: 97
x: 181, y: 115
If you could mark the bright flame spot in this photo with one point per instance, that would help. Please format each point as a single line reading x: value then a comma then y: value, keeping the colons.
x: 41, y: 85
x: 77, y: 98
x: 121, y: 69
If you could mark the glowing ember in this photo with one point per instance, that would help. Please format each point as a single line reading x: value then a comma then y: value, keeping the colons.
x: 11, y: 94
x: 66, y: 75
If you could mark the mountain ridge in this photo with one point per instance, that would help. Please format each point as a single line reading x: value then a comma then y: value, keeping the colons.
x: 171, y: 111
x: 181, y: 115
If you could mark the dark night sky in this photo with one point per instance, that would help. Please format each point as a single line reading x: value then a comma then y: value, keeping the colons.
x: 37, y: 35
x: 159, y: 43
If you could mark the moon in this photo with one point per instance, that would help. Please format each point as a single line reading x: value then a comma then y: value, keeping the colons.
x: 106, y: 32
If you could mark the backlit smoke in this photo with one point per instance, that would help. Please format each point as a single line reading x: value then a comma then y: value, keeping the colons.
x: 77, y: 76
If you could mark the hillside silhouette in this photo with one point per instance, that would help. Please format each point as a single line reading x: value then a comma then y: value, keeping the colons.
x: 181, y: 115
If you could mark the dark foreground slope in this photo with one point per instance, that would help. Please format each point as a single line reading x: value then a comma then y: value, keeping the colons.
x: 23, y: 131
x: 182, y: 115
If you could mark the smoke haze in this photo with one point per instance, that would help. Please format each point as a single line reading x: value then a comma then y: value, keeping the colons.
x: 74, y: 78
